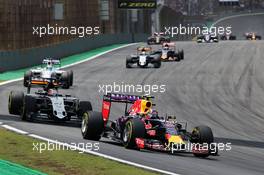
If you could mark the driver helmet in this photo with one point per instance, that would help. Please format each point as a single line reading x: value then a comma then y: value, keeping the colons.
x: 166, y: 47
x: 49, y: 65
x: 155, y: 114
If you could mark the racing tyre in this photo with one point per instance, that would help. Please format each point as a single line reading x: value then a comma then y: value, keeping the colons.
x: 15, y: 102
x: 70, y: 73
x: 27, y: 76
x: 28, y: 107
x: 128, y: 62
x: 84, y: 106
x: 157, y: 62
x: 92, y: 125
x: 181, y: 55
x: 202, y: 135
x: 134, y: 128
x: 65, y: 78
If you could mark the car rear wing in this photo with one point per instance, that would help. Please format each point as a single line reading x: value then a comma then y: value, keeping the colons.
x: 109, y: 98
x: 43, y: 81
x: 172, y: 44
x: 121, y: 98
x: 143, y: 48
x: 47, y: 83
x: 53, y: 61
x: 158, y: 34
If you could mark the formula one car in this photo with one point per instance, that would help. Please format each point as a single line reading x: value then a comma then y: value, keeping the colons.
x: 228, y: 37
x: 168, y: 53
x: 158, y: 38
x: 142, y: 128
x: 207, y: 38
x: 252, y: 36
x: 49, y: 70
x: 47, y: 104
x: 143, y: 58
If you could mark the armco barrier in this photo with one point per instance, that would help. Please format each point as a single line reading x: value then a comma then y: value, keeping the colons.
x: 11, y: 60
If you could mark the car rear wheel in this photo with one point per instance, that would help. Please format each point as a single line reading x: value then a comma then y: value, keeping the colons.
x: 27, y: 77
x: 28, y: 107
x: 70, y: 73
x: 92, y: 125
x: 65, y: 78
x: 182, y: 55
x: 128, y: 62
x: 15, y: 102
x: 134, y: 128
x: 157, y: 62
x: 84, y: 106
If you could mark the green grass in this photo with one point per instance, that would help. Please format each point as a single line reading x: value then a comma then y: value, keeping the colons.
x: 19, y: 149
x: 15, y: 74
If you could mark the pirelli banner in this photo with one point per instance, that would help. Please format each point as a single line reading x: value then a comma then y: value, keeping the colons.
x: 137, y: 4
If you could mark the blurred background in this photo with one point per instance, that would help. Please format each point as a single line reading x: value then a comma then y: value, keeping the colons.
x: 17, y: 17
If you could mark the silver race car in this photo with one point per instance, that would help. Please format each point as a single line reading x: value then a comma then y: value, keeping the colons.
x: 47, y: 104
x: 50, y: 68
x: 143, y: 58
x: 207, y: 38
x: 158, y: 38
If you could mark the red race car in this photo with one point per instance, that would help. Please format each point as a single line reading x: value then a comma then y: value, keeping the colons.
x: 142, y: 128
x: 169, y: 53
x: 252, y: 36
x: 158, y: 38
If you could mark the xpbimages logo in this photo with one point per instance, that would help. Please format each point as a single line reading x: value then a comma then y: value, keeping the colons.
x: 131, y: 88
x: 192, y: 30
x: 213, y: 148
x: 80, y: 31
x: 58, y: 146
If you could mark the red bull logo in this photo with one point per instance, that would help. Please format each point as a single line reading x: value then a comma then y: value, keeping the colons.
x: 141, y: 106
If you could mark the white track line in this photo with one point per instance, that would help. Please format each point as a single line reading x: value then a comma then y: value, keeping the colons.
x: 86, y: 151
x: 77, y: 148
x: 101, y: 155
x: 15, y: 129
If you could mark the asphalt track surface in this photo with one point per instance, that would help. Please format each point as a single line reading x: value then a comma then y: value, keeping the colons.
x: 244, y: 24
x: 219, y: 85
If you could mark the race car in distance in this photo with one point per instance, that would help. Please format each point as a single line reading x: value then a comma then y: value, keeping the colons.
x: 158, y: 38
x: 228, y: 37
x: 143, y: 58
x: 142, y: 128
x: 168, y: 52
x: 47, y: 70
x: 47, y: 104
x: 207, y: 38
x: 252, y: 36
